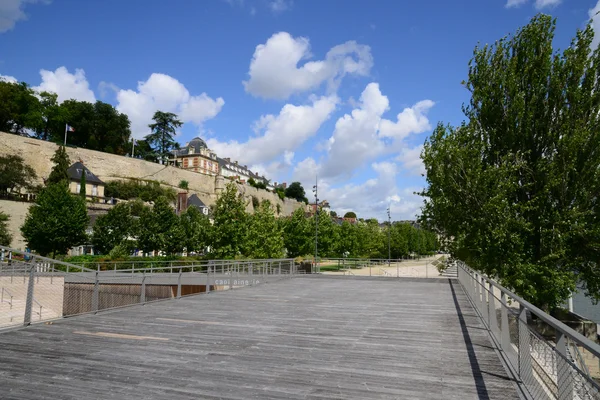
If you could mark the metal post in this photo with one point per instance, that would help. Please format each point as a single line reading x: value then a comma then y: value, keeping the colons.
x: 29, y: 301
x: 493, y: 321
x: 143, y: 288
x: 179, y: 285
x: 484, y: 306
x: 525, y: 371
x: 95, y: 294
x: 505, y: 329
x: 389, y: 236
x: 207, y: 279
x: 563, y: 369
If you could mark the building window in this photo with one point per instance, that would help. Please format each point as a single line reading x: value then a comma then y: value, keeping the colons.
x: 95, y: 190
x: 185, y: 163
x: 196, y: 161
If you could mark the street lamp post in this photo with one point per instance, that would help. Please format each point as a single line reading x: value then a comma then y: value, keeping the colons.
x: 389, y: 240
x: 316, y: 192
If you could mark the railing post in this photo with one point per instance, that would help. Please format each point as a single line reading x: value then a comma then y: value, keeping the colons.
x: 492, y: 319
x: 143, y: 288
x: 95, y: 294
x: 505, y: 329
x: 484, y: 306
x: 524, y: 347
x: 563, y: 369
x: 179, y: 285
x: 29, y: 301
x: 207, y: 290
x: 279, y: 273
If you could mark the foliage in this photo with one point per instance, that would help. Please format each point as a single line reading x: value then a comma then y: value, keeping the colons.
x: 350, y: 214
x: 160, y: 229
x: 296, y: 191
x: 255, y: 202
x: 144, y: 151
x: 297, y: 234
x: 517, y: 185
x: 19, y: 107
x: 278, y: 208
x: 62, y: 163
x: 229, y: 223
x: 264, y: 235
x: 15, y: 174
x: 5, y: 236
x: 197, y: 229
x: 116, y: 228
x: 56, y: 222
x: 333, y: 213
x: 328, y: 235
x: 137, y: 189
x: 163, y: 130
x: 184, y: 185
x: 82, y: 185
x: 258, y: 185
x: 280, y: 192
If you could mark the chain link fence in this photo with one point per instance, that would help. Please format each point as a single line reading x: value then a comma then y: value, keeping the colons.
x: 548, y: 359
x: 35, y: 289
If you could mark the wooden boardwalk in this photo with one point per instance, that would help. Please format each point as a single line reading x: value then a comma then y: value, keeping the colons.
x: 306, y: 338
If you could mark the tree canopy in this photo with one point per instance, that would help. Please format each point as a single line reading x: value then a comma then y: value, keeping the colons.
x: 62, y: 163
x: 230, y: 221
x: 56, y: 222
x: 516, y: 185
x: 296, y: 191
x: 163, y: 130
x: 15, y: 174
x: 5, y: 236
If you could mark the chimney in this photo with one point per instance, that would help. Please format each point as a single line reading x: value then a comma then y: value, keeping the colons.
x: 228, y: 159
x: 245, y: 167
x: 236, y: 163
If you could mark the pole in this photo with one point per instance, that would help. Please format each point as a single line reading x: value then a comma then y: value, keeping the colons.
x: 133, y: 148
x: 389, y: 241
x: 316, y: 190
x: 66, y: 126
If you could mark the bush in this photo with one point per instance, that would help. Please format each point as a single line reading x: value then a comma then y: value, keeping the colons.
x: 137, y: 189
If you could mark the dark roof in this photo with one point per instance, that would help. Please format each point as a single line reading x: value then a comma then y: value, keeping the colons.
x: 195, y: 201
x: 196, y: 144
x: 75, y: 171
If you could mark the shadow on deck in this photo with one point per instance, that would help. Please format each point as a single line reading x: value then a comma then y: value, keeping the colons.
x: 304, y: 338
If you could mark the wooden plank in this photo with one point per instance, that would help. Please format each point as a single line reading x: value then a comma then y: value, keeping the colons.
x: 332, y: 338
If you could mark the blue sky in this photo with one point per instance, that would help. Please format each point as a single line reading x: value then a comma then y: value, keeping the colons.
x: 346, y: 89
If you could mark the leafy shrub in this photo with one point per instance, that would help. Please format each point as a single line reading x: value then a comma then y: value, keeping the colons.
x: 137, y: 189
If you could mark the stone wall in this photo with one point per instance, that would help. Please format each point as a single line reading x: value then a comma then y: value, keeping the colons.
x: 17, y: 211
x: 107, y: 167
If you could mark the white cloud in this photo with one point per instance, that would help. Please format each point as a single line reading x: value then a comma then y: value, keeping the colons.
x: 595, y: 23
x: 368, y: 199
x: 274, y: 71
x: 359, y: 136
x: 410, y: 120
x: 411, y: 160
x: 515, y: 3
x: 66, y: 85
x: 6, y: 78
x: 280, y: 133
x: 278, y: 6
x: 11, y: 11
x: 165, y: 93
x: 539, y: 4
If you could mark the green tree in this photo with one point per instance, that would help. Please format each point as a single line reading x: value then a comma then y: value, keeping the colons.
x: 56, y: 222
x: 5, y: 236
x: 82, y: 185
x: 349, y: 240
x: 373, y: 242
x: 516, y: 186
x: 298, y: 235
x: 197, y: 230
x: 19, y: 108
x: 163, y: 130
x: 160, y: 229
x: 350, y: 214
x: 296, y: 191
x: 230, y: 227
x: 264, y: 236
x: 185, y: 185
x: 144, y: 151
x: 328, y: 235
x: 116, y: 228
x: 15, y: 174
x: 49, y: 113
x: 62, y: 163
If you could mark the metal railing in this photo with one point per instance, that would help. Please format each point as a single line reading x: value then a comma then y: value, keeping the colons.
x: 64, y: 289
x: 415, y: 267
x: 547, y: 358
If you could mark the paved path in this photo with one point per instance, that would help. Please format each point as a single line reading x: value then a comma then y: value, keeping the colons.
x: 306, y: 338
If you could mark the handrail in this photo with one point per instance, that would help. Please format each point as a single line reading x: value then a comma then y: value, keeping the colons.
x: 35, y: 257
x: 38, y: 303
x: 553, y: 322
x: 9, y: 293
